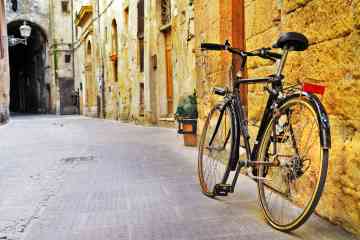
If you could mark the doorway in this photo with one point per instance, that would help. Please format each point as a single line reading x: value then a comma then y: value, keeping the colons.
x: 169, y: 73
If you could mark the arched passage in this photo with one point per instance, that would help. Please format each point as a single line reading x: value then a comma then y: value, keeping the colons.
x: 29, y: 92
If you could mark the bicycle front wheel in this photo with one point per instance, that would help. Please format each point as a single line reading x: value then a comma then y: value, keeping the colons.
x: 215, y: 149
x: 295, y: 180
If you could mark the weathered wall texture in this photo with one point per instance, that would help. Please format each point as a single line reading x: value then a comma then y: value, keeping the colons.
x: 173, y: 41
x: 114, y: 43
x: 333, y: 28
x: 4, y: 68
x: 61, y: 32
x: 332, y: 60
x: 129, y: 93
x: 36, y: 11
x: 212, y: 67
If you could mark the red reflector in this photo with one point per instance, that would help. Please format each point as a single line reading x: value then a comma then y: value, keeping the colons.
x: 313, y: 88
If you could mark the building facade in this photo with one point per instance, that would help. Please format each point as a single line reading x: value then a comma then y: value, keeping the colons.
x: 143, y: 55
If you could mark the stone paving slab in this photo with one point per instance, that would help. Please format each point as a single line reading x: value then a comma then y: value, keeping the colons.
x: 80, y: 178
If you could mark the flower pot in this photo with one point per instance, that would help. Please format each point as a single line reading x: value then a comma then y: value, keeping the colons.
x: 187, y: 127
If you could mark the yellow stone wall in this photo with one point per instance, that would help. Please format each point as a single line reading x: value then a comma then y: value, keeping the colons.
x: 212, y: 24
x: 332, y: 27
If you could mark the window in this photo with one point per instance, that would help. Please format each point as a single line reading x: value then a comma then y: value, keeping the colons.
x: 141, y: 55
x: 165, y: 12
x: 65, y: 6
x: 114, y: 49
x: 67, y: 58
x: 126, y: 19
x: 141, y: 19
x: 14, y: 5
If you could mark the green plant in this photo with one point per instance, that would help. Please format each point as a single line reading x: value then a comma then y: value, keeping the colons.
x: 187, y: 107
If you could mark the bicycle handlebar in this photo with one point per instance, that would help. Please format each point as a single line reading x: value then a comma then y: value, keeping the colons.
x: 262, y: 52
x: 213, y: 46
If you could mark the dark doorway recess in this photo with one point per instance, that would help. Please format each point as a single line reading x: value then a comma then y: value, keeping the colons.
x: 29, y: 91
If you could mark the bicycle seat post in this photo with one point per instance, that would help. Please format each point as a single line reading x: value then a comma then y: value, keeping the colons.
x: 281, y: 63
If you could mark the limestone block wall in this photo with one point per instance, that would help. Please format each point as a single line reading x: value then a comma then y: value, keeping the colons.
x: 212, y: 24
x: 116, y: 93
x: 87, y: 63
x: 184, y: 68
x: 332, y: 59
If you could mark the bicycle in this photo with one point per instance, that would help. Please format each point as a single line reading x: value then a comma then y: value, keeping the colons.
x: 289, y: 158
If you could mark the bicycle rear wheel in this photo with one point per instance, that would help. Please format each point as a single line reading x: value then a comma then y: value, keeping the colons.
x: 294, y: 183
x: 215, y: 149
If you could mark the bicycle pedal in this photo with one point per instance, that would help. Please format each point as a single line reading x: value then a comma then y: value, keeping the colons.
x: 222, y: 189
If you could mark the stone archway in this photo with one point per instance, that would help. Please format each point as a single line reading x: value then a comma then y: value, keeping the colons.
x: 29, y: 91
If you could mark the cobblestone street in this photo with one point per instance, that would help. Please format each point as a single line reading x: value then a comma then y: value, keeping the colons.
x: 80, y: 178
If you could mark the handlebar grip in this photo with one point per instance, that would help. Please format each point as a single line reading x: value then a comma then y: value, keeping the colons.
x: 213, y: 46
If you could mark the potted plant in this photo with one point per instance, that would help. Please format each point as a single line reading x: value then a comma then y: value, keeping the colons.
x: 186, y: 116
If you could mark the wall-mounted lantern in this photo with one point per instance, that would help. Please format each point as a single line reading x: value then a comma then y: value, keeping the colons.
x: 25, y: 32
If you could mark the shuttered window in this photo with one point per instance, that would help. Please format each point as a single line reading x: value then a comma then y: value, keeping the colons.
x: 141, y: 19
x: 141, y: 23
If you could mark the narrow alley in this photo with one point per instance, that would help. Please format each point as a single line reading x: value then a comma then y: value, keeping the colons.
x: 80, y: 178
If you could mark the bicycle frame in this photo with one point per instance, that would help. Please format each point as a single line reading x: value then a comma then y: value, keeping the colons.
x: 273, y: 101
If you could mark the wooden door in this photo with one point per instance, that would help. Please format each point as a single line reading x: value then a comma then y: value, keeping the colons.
x: 169, y: 73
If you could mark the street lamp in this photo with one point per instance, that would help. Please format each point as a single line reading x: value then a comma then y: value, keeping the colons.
x: 25, y: 32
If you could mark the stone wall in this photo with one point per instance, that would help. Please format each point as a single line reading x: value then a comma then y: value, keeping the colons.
x: 4, y: 68
x: 213, y: 24
x: 181, y: 33
x: 88, y: 65
x: 332, y: 59
x: 36, y: 11
x: 333, y: 29
x: 61, y: 48
x: 122, y: 98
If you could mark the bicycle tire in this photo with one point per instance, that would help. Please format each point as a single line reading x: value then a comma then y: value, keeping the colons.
x: 298, y: 171
x: 215, y: 140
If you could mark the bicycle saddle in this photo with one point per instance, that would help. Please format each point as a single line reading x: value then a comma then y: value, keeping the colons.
x: 293, y: 41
